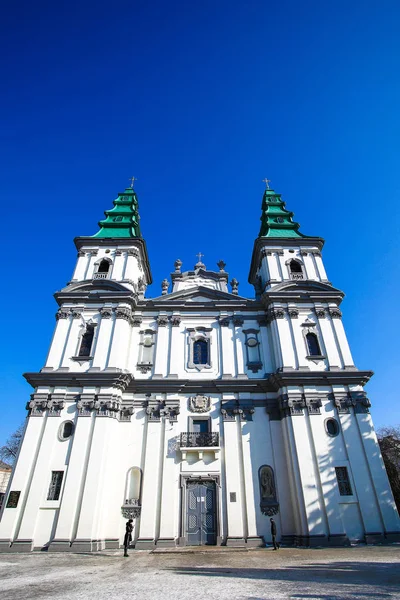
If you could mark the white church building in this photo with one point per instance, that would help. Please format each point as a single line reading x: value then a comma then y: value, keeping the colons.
x: 198, y: 413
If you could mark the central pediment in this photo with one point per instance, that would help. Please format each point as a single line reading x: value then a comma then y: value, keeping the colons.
x: 199, y: 295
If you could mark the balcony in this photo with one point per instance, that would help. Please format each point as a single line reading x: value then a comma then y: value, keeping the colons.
x: 198, y: 442
x: 100, y: 275
x: 131, y: 509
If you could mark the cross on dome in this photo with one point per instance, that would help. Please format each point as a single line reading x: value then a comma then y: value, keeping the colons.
x: 267, y: 182
x: 132, y: 180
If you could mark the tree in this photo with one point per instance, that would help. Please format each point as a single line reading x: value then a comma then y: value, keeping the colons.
x: 389, y: 442
x: 8, y: 452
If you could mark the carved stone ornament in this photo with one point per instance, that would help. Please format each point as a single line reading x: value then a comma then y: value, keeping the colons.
x: 76, y: 313
x: 133, y: 252
x: 162, y: 321
x: 164, y: 286
x: 123, y: 313
x: 40, y: 403
x: 175, y: 321
x: 106, y: 313
x: 62, y: 314
x: 335, y: 313
x: 293, y: 313
x: 238, y: 321
x: 268, y: 502
x: 320, y: 312
x: 131, y: 509
x: 178, y: 265
x: 199, y: 404
x: 81, y: 253
x: 234, y: 285
x: 137, y: 321
x: 276, y: 313
x: 224, y: 322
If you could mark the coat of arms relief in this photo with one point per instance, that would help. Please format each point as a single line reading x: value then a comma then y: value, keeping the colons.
x: 199, y: 404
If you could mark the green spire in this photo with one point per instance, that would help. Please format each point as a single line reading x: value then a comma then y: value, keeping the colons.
x: 122, y: 221
x: 276, y: 221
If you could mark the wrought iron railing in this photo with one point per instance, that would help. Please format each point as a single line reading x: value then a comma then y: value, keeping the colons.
x: 100, y: 275
x: 297, y: 276
x: 196, y: 439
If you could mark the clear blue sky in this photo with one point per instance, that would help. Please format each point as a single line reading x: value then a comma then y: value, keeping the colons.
x: 200, y: 101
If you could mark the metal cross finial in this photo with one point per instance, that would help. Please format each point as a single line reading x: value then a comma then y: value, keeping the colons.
x: 199, y: 256
x: 267, y: 182
x: 132, y: 180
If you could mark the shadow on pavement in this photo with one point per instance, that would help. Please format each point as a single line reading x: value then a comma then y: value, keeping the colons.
x: 360, y: 573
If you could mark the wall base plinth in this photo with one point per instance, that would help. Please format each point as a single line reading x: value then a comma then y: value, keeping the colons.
x: 236, y: 542
x: 392, y: 536
x: 255, y: 542
x: 166, y: 543
x: 5, y: 545
x: 60, y: 546
x: 145, y: 544
x: 375, y: 538
x: 21, y: 546
x: 82, y: 545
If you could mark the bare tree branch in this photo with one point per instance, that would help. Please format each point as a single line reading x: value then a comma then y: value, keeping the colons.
x: 8, y: 452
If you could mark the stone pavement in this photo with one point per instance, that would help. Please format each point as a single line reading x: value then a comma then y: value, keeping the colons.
x: 362, y: 573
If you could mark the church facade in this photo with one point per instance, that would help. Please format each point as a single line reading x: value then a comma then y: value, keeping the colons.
x: 200, y: 413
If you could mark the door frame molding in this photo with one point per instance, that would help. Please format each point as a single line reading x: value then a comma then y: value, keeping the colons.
x: 184, y: 479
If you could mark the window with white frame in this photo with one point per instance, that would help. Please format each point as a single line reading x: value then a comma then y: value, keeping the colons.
x: 55, y: 485
x: 86, y: 344
x: 253, y: 355
x: 343, y: 481
x: 146, y: 348
x: 296, y: 269
x: 199, y: 341
x: 102, y: 268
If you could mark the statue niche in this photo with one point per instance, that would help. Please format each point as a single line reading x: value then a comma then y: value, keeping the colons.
x: 268, y: 502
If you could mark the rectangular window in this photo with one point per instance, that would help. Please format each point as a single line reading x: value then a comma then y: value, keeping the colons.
x: 343, y: 480
x: 200, y: 425
x: 55, y: 485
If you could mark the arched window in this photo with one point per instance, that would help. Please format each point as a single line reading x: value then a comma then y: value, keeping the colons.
x: 102, y: 269
x: 313, y: 345
x: 87, y: 341
x: 104, y: 266
x: 295, y: 267
x: 200, y: 352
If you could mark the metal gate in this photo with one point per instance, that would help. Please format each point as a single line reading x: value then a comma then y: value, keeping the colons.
x: 201, y: 513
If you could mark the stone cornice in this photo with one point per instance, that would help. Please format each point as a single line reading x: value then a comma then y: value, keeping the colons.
x: 118, y: 379
x: 271, y: 383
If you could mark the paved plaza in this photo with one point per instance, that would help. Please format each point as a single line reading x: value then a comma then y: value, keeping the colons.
x: 364, y: 573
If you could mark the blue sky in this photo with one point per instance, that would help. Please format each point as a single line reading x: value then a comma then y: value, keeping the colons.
x: 200, y: 101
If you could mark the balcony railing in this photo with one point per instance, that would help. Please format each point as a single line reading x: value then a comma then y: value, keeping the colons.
x: 297, y: 276
x: 100, y: 275
x: 190, y: 439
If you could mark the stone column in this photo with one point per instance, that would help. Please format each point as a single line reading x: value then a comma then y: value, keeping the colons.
x: 120, y: 344
x: 151, y: 483
x: 234, y: 499
x: 60, y: 338
x: 103, y: 339
x: 161, y: 357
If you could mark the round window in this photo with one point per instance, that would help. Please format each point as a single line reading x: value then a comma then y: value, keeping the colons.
x: 66, y: 430
x: 252, y: 342
x: 332, y: 427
